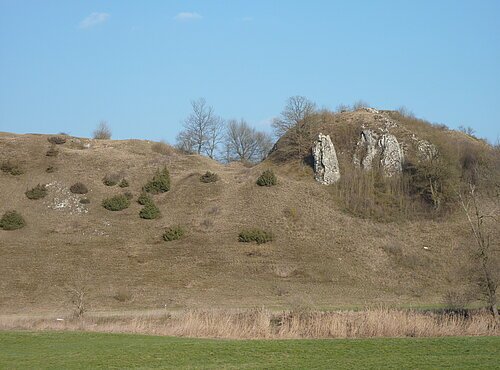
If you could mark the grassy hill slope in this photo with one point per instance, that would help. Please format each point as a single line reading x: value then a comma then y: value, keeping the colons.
x: 321, y: 256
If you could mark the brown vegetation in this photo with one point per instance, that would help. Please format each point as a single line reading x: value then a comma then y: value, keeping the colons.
x: 162, y: 148
x: 266, y: 324
x: 102, y: 132
x: 56, y: 140
x: 331, y: 258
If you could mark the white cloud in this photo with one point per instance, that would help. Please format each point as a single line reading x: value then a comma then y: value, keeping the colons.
x: 93, y: 20
x: 187, y: 16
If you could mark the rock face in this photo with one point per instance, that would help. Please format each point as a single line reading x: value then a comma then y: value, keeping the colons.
x: 385, y: 147
x: 368, y: 144
x: 392, y: 155
x: 326, y: 165
x: 426, y: 151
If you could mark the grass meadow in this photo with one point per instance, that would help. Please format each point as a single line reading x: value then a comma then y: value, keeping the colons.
x: 69, y: 350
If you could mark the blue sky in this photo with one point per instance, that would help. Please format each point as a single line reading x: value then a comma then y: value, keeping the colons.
x: 66, y: 65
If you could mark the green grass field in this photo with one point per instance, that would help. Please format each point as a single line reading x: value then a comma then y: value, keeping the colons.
x: 92, y: 350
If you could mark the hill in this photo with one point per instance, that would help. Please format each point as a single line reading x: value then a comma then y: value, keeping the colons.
x: 325, y: 253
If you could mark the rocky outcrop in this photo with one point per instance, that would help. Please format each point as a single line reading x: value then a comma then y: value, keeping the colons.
x: 425, y: 150
x: 370, y: 110
x: 391, y: 156
x: 384, y: 147
x: 366, y: 149
x: 326, y: 165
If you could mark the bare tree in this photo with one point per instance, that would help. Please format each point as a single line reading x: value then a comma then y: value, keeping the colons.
x: 102, y: 132
x: 77, y: 290
x: 185, y: 142
x: 215, y: 136
x: 245, y: 143
x: 240, y: 141
x: 296, y: 110
x: 360, y: 104
x: 201, y: 129
x: 483, y: 225
x: 341, y: 108
x: 467, y: 130
x: 264, y: 144
x: 294, y: 124
x: 78, y: 298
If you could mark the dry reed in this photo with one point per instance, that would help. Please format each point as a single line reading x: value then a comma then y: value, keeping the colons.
x: 265, y: 324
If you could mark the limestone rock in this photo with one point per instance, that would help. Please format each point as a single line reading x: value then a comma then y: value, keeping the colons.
x: 370, y: 110
x: 367, y: 144
x: 386, y: 147
x: 426, y: 150
x: 326, y: 165
x: 391, y: 155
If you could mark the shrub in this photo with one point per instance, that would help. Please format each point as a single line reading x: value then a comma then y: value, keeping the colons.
x: 129, y: 195
x: 85, y: 201
x: 456, y: 299
x: 16, y: 171
x: 50, y: 169
x: 78, y: 188
x: 209, y: 177
x: 173, y: 233
x: 162, y: 148
x: 116, y: 203
x: 123, y: 184
x: 56, y: 140
x: 12, y: 168
x: 432, y: 181
x: 267, y: 178
x: 150, y: 211
x: 11, y: 220
x: 360, y: 104
x: 102, y: 132
x: 255, y: 235
x: 160, y: 182
x: 144, y: 199
x: 38, y: 192
x: 111, y: 179
x: 52, y: 152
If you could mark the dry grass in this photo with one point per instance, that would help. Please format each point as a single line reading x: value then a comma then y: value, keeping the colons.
x: 162, y: 148
x: 340, y: 260
x: 265, y: 324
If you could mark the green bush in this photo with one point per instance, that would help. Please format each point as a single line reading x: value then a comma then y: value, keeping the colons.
x: 173, y: 233
x: 38, y: 192
x: 11, y: 220
x: 57, y: 140
x: 150, y: 211
x: 111, y: 179
x: 12, y: 168
x: 144, y: 199
x: 209, y: 177
x: 267, y: 178
x: 116, y: 203
x: 78, y: 188
x: 160, y: 183
x: 255, y: 235
x: 123, y: 184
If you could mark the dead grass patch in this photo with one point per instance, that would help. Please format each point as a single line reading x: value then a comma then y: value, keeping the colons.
x: 162, y: 148
x: 265, y: 324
